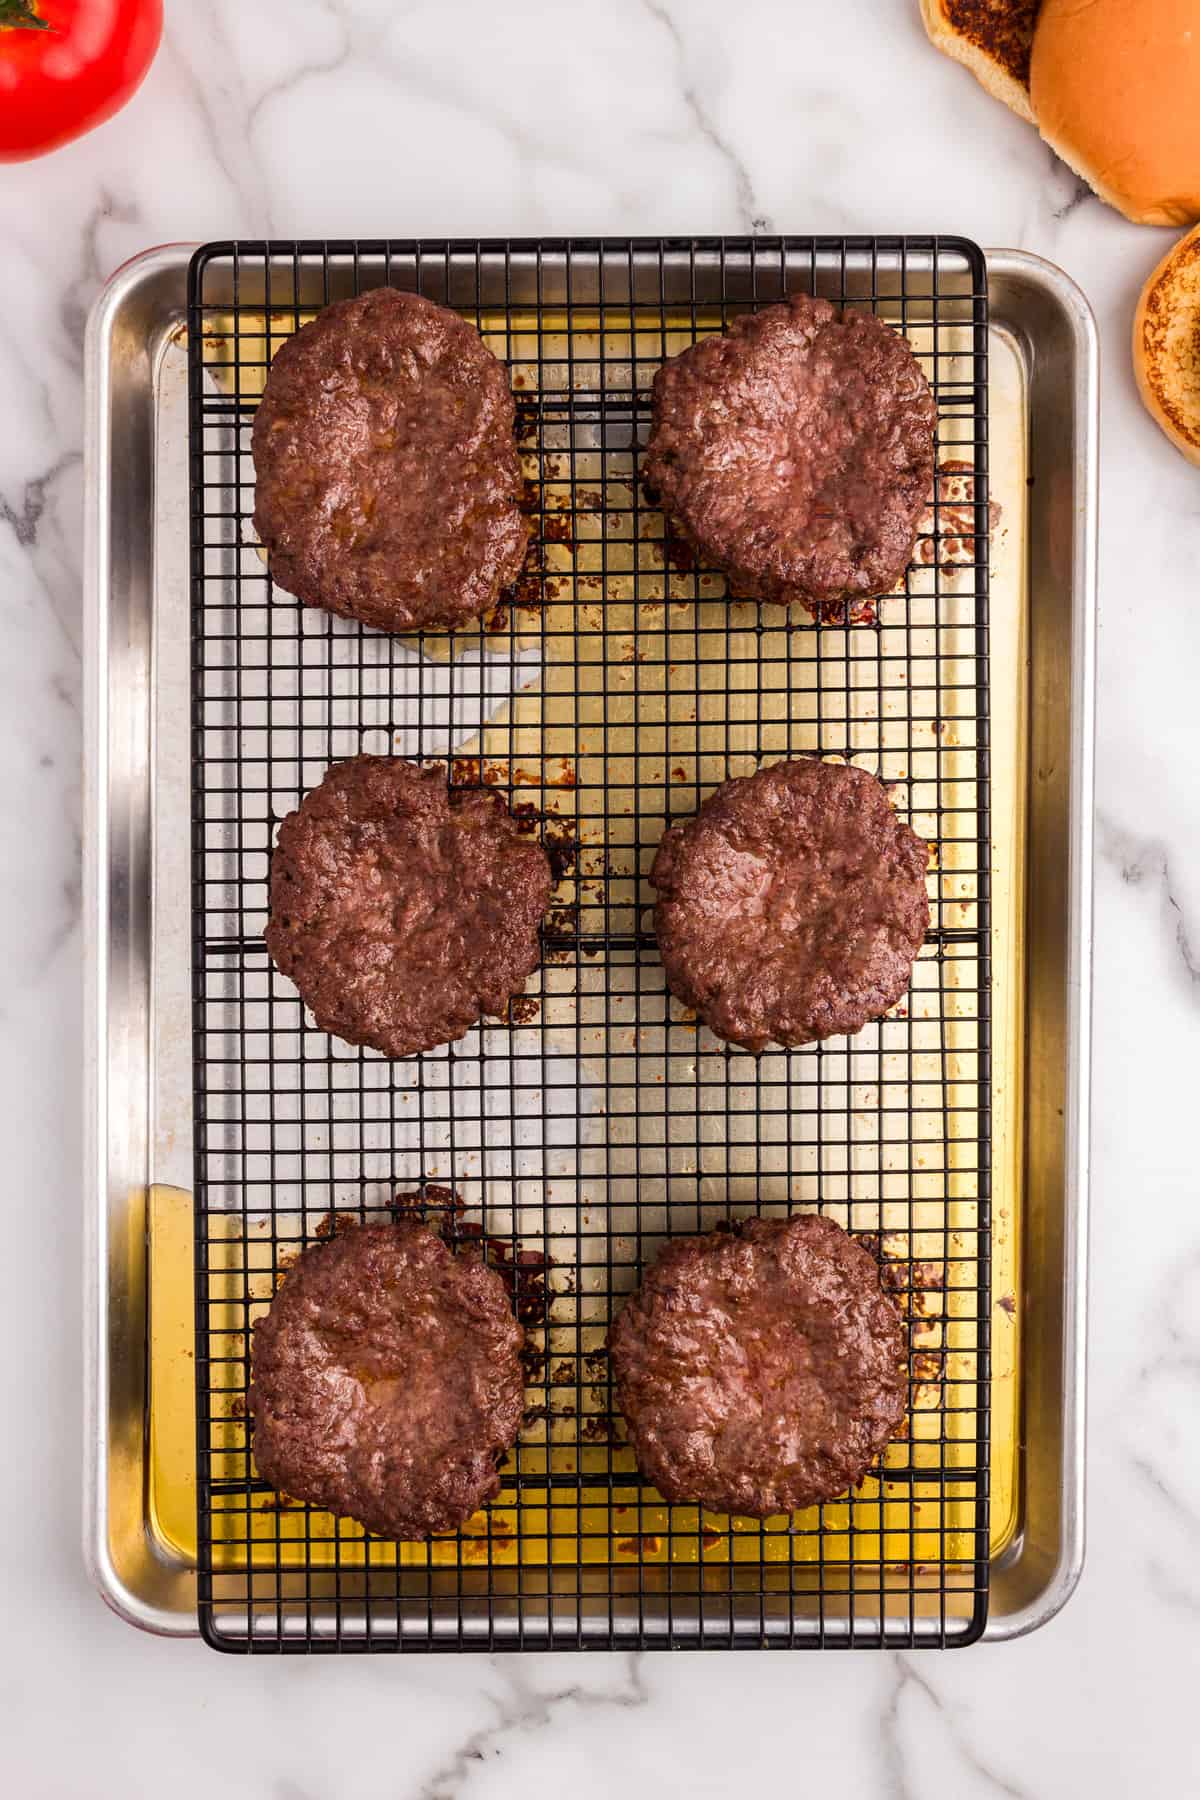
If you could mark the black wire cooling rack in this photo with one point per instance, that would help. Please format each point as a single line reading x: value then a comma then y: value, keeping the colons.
x: 612, y: 691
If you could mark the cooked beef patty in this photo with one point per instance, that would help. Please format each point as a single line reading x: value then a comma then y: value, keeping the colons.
x: 792, y: 906
x: 762, y: 1370
x: 386, y: 468
x: 796, y: 452
x: 404, y: 911
x: 386, y: 1381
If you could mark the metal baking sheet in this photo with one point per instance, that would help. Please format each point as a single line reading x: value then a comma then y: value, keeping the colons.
x: 141, y: 1506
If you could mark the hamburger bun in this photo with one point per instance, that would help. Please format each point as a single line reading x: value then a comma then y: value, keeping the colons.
x: 1115, y: 86
x: 1166, y: 345
x: 992, y: 39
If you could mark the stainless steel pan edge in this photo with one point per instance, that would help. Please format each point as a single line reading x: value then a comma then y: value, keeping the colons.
x: 1045, y: 308
x: 139, y: 302
x: 1048, y: 314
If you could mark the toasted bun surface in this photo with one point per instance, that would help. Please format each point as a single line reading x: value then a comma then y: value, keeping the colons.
x: 1166, y: 345
x: 992, y: 39
x: 1115, y: 86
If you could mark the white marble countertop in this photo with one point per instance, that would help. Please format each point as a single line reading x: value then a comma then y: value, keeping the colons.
x: 336, y: 117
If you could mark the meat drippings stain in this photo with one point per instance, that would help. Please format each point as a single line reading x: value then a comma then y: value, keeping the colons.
x: 948, y: 530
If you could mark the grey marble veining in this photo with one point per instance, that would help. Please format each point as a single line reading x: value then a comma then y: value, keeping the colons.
x: 359, y: 116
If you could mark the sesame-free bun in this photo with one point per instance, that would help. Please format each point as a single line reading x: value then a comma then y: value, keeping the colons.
x: 1115, y: 86
x: 1166, y: 345
x: 992, y: 39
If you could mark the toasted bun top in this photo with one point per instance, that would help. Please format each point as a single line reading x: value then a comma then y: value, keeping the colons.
x: 992, y: 39
x: 1115, y: 86
x: 1166, y: 344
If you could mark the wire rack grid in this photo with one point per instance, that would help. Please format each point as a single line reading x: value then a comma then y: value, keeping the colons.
x: 609, y: 693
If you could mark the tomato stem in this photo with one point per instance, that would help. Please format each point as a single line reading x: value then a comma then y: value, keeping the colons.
x: 19, y: 15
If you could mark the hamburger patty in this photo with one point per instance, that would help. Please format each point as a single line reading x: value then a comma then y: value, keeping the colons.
x: 792, y: 906
x: 386, y: 468
x: 387, y: 1381
x: 404, y: 911
x: 760, y: 1371
x: 796, y: 452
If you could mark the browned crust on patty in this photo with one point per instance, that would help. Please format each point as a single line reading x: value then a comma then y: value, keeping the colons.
x: 404, y: 911
x: 760, y: 1371
x: 387, y: 1381
x: 792, y: 905
x: 387, y: 474
x: 796, y: 452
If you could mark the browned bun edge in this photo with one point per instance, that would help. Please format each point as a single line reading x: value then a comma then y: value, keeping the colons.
x: 1166, y: 345
x: 992, y: 39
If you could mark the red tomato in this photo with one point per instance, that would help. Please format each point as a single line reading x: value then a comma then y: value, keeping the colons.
x: 65, y: 65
